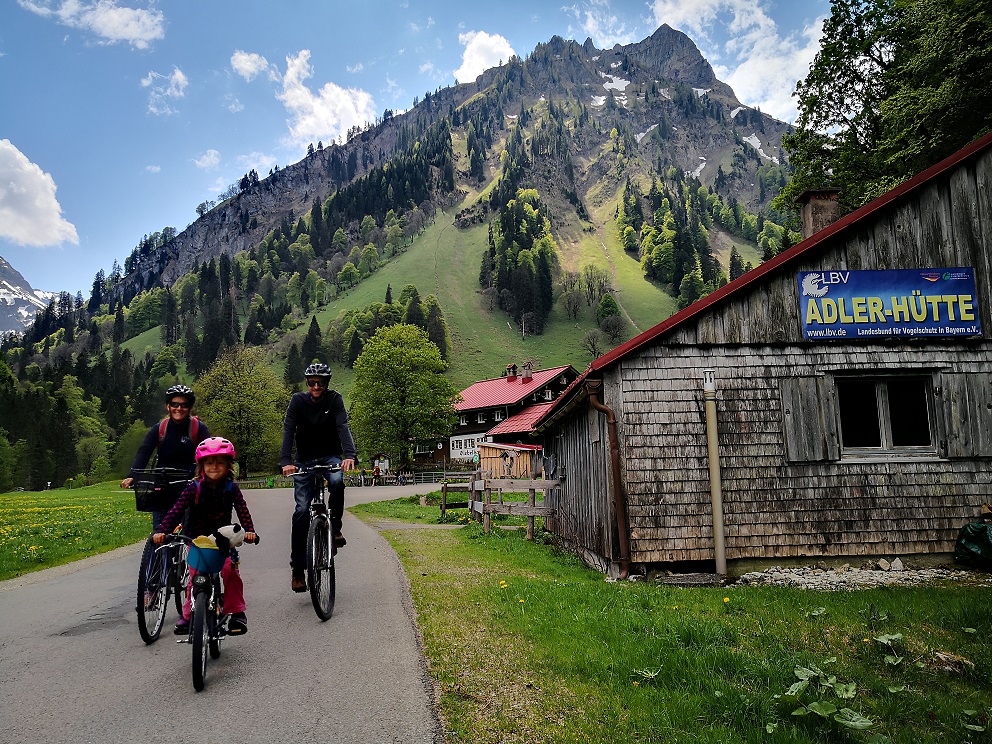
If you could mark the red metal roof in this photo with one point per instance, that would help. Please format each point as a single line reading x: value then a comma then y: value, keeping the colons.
x: 522, y: 422
x: 756, y: 275
x: 505, y: 391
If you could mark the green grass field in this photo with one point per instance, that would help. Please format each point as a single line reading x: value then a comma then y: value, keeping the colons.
x: 41, y: 529
x: 526, y: 644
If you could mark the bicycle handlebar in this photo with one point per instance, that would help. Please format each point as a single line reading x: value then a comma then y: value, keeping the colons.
x: 317, y: 469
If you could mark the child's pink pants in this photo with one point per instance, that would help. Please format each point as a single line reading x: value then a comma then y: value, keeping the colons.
x: 234, y: 590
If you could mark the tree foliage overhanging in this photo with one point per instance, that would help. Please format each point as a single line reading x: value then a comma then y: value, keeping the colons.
x: 897, y: 86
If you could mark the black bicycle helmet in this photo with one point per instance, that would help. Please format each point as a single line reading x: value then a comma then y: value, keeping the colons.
x: 318, y: 370
x: 183, y: 390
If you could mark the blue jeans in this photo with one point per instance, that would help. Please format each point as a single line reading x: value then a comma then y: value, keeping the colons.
x: 305, y: 487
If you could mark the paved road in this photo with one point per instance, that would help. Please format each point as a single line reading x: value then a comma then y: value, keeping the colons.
x: 73, y: 668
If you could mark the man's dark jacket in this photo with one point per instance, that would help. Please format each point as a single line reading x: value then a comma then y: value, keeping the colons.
x: 319, y: 426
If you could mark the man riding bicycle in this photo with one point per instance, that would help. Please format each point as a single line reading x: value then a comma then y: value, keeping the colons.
x: 176, y: 439
x: 317, y: 419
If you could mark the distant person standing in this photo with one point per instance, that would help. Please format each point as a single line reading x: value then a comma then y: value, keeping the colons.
x: 176, y: 438
x: 318, y: 422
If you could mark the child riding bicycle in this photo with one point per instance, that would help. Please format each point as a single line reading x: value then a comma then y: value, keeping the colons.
x: 210, y: 498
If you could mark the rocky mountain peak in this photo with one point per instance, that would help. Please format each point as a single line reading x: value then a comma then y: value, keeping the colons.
x: 19, y: 301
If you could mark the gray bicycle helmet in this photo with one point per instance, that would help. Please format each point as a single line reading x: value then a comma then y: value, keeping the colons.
x: 183, y: 390
x: 318, y: 370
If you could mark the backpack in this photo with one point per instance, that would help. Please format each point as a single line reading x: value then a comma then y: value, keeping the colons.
x: 194, y: 428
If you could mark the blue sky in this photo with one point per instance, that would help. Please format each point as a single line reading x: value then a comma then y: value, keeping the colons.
x: 119, y: 117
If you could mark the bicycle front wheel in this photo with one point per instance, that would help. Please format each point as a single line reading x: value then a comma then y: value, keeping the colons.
x: 180, y: 575
x: 320, y: 567
x: 153, y: 593
x: 198, y: 640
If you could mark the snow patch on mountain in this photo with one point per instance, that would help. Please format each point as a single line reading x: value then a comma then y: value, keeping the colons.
x: 756, y: 144
x: 19, y: 301
x: 645, y: 133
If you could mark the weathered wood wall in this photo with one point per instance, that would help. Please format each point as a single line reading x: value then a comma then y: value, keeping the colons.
x: 786, y: 492
x: 807, y: 504
x: 583, y: 501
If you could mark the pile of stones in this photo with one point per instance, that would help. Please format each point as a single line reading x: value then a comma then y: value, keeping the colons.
x: 872, y: 574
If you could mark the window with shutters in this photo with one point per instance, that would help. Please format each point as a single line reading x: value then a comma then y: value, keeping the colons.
x: 844, y: 415
x: 885, y: 415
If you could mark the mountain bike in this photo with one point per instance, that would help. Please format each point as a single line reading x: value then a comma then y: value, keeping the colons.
x: 208, y: 621
x: 320, y: 547
x: 163, y: 570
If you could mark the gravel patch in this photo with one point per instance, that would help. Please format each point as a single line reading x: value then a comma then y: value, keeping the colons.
x: 869, y: 575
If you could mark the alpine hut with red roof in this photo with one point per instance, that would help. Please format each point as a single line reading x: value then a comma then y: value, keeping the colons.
x: 496, y: 403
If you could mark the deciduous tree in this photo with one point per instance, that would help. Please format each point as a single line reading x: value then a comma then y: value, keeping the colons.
x: 401, y: 396
x: 244, y: 401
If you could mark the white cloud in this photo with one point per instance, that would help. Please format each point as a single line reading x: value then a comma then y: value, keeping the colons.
x: 163, y: 89
x: 234, y: 105
x: 138, y: 27
x: 153, y: 169
x: 755, y: 60
x: 259, y: 161
x: 597, y: 21
x: 208, y: 160
x: 355, y: 68
x: 29, y: 212
x: 482, y: 51
x: 248, y: 65
x: 324, y: 114
x: 427, y: 68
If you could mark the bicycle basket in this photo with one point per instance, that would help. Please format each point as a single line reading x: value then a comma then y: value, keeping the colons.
x: 155, y: 490
x: 205, y: 559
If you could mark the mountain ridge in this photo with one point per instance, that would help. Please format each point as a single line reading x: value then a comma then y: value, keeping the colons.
x: 596, y: 79
x: 19, y: 301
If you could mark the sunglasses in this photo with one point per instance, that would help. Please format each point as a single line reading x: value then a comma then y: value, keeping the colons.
x: 184, y: 406
x: 317, y: 383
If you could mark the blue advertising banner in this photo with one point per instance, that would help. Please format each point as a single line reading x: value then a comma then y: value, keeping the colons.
x: 905, y: 303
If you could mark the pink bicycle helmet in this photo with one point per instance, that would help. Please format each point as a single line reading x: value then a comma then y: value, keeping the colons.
x: 215, y: 446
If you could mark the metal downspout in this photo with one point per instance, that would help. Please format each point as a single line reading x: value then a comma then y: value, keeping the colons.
x: 594, y: 388
x: 716, y: 486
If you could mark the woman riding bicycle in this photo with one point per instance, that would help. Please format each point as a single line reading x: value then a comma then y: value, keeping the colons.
x: 176, y: 438
x: 210, y: 499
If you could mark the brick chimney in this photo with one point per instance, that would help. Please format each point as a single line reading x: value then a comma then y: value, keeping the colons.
x: 819, y: 208
x: 528, y: 373
x: 511, y: 372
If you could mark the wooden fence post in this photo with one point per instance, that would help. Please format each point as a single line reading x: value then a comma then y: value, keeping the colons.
x: 486, y: 516
x: 531, y: 501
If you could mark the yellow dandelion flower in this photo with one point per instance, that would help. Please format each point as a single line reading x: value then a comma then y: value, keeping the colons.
x: 636, y: 683
x: 726, y: 599
x: 521, y: 601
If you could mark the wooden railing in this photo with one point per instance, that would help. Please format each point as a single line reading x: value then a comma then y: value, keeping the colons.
x: 485, y: 508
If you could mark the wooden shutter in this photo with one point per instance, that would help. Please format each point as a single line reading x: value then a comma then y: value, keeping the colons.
x: 809, y: 419
x: 964, y: 414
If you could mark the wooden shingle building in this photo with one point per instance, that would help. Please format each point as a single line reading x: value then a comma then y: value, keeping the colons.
x: 833, y: 402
